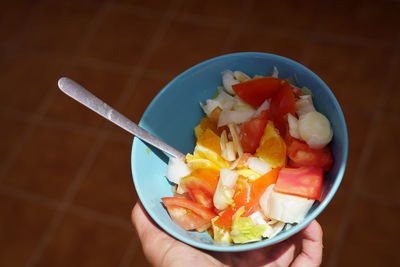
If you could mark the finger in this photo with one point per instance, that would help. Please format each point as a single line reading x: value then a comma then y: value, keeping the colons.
x: 282, y: 254
x: 146, y: 228
x: 311, y: 253
x: 154, y: 241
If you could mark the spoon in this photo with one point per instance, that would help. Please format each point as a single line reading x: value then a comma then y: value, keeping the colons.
x: 83, y: 96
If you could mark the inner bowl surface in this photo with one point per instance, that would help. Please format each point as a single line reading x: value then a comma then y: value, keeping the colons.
x: 175, y: 111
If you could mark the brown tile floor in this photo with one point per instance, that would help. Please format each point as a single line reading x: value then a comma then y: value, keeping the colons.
x: 65, y: 185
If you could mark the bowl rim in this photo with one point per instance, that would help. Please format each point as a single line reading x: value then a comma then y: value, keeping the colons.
x: 294, y: 229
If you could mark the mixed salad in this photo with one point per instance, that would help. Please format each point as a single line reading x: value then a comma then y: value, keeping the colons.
x: 258, y: 164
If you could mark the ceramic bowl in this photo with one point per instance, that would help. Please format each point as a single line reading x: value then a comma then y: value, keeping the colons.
x: 175, y: 111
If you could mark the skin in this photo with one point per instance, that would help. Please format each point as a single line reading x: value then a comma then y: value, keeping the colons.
x: 161, y: 250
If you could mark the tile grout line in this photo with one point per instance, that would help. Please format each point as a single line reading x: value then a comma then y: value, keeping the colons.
x: 69, y: 195
x: 368, y: 148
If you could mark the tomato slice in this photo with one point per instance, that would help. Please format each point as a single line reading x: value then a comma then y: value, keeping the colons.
x: 185, y: 218
x: 252, y: 131
x: 282, y: 103
x: 300, y: 154
x: 256, y: 91
x: 201, y: 185
x: 304, y: 182
x: 187, y: 213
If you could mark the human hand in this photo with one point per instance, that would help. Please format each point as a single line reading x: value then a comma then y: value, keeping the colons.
x: 162, y: 250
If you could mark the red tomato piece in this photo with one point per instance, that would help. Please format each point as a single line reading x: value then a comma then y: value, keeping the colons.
x: 300, y: 154
x: 185, y: 218
x: 201, y: 185
x: 256, y: 91
x: 304, y: 182
x: 252, y: 131
x: 186, y: 213
x: 282, y: 103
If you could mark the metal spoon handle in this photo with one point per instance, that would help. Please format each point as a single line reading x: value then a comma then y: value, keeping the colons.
x: 83, y: 96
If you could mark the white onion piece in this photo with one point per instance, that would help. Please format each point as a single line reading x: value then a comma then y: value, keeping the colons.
x: 225, y: 189
x: 227, y: 147
x: 283, y: 207
x: 177, y: 169
x: 274, y: 228
x: 240, y: 76
x: 228, y: 178
x: 304, y: 105
x: 235, y: 137
x: 228, y: 79
x: 240, y: 105
x: 226, y: 101
x: 223, y: 101
x: 315, y: 129
x: 209, y: 106
x: 264, y: 106
x: 234, y: 116
x: 293, y: 126
x: 258, y: 165
x: 275, y: 72
x: 264, y: 199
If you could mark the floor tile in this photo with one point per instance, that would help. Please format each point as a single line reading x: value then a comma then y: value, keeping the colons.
x: 49, y: 161
x: 275, y: 42
x: 122, y: 37
x: 59, y: 28
x: 186, y: 44
x: 10, y: 137
x: 284, y: 15
x: 381, y: 168
x: 108, y: 186
x: 27, y: 78
x: 81, y: 241
x: 22, y: 225
x: 360, y: 18
x: 372, y: 235
x: 222, y: 13
x: 105, y: 84
x: 13, y: 18
x: 351, y: 71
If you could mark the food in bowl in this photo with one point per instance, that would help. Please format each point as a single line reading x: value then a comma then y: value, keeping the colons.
x: 258, y: 163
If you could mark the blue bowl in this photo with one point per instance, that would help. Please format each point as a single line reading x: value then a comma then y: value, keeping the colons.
x: 175, y: 111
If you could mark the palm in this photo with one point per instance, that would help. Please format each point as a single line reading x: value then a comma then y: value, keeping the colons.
x: 304, y: 249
